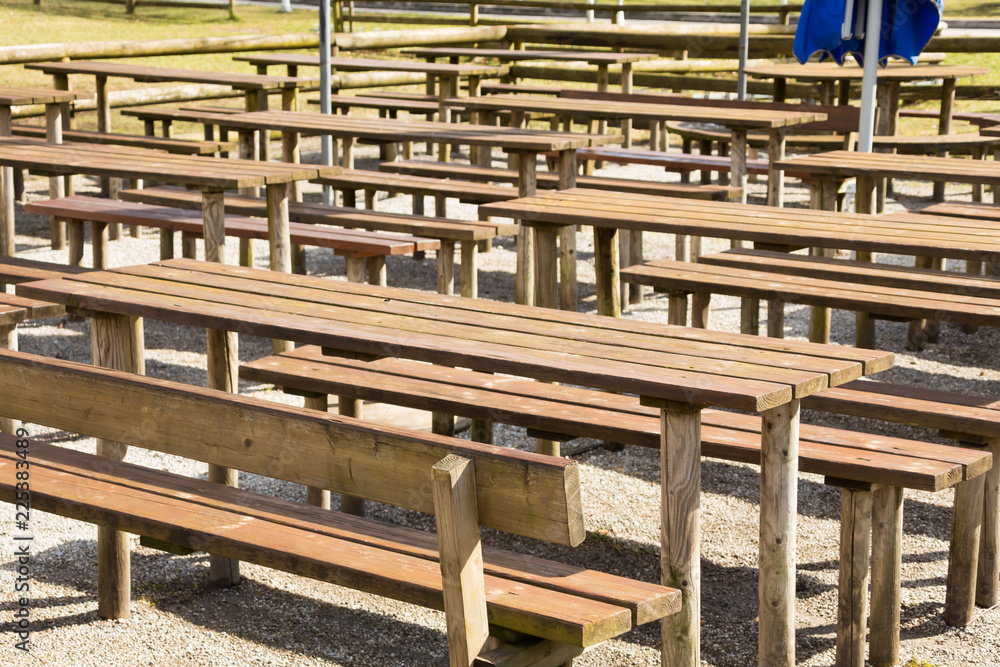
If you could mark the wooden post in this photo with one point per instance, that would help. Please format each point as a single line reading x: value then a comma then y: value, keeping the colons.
x: 376, y: 270
x: 214, y: 223
x: 546, y: 266
x: 887, y: 540
x: 963, y: 556
x: 778, y: 496
x: 8, y: 341
x: 568, y: 291
x: 524, y: 280
x: 944, y: 125
x: 626, y: 124
x: 775, y: 318
x: 7, y: 233
x: 701, y: 303
x: 989, y: 541
x: 446, y: 267
x: 738, y: 161
x: 677, y: 305
x: 461, y: 554
x: 223, y: 362
x: 278, y: 236
x: 680, y: 529
x: 852, y: 588
x: 53, y: 134
x: 98, y: 244
x: 469, y: 273
x: 865, y: 201
x: 606, y: 271
x: 775, y: 176
x: 635, y: 257
x: 316, y: 496
x: 351, y: 407
x: 116, y: 342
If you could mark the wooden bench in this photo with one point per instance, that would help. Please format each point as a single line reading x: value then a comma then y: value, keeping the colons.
x: 178, y: 146
x: 547, y: 180
x: 447, y: 232
x: 881, y: 291
x: 856, y: 462
x: 559, y: 608
x: 358, y: 247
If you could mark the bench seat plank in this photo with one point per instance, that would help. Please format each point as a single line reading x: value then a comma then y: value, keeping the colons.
x: 440, y: 228
x: 548, y: 180
x: 573, y: 412
x: 179, y: 146
x: 11, y: 314
x: 164, y: 511
x: 20, y: 270
x: 34, y: 309
x: 83, y: 208
x: 646, y: 602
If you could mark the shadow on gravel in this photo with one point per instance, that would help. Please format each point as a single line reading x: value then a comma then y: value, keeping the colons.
x: 253, y: 610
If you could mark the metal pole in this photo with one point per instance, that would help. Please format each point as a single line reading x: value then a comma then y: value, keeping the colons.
x: 741, y: 80
x: 869, y: 81
x: 326, y: 141
x: 286, y: 6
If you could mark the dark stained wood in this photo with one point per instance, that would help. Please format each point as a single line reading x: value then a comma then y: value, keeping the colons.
x: 148, y: 73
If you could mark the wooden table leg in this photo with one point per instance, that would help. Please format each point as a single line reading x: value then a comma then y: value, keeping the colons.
x: 738, y: 160
x: 989, y: 541
x: 606, y: 269
x: 8, y: 341
x: 863, y: 323
x: 569, y: 293
x: 603, y: 81
x: 546, y: 266
x: 963, y: 556
x: 54, y: 134
x: 116, y: 342
x: 626, y: 124
x: 524, y: 280
x: 775, y: 176
x: 778, y: 496
x: 852, y: 587
x: 61, y: 82
x: 469, y: 272
x: 887, y: 540
x: 680, y: 529
x: 7, y: 248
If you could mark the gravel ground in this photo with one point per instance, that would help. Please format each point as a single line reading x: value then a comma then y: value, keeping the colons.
x: 274, y: 618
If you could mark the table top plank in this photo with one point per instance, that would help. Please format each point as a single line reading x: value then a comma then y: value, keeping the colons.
x: 11, y: 96
x: 912, y: 234
x: 351, y: 64
x: 893, y: 165
x: 128, y: 162
x: 591, y: 57
x: 732, y: 118
x: 366, y: 320
x: 150, y: 74
x: 834, y: 72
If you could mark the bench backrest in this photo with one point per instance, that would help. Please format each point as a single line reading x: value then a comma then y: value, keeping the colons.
x: 518, y: 492
x: 842, y: 119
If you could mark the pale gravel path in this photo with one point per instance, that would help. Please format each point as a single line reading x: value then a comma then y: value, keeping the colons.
x: 277, y: 619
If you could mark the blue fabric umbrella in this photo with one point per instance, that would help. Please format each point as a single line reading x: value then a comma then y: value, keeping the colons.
x: 835, y: 28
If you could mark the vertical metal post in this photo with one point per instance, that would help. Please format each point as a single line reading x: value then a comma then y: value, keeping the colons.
x: 741, y: 79
x: 326, y: 141
x: 869, y: 81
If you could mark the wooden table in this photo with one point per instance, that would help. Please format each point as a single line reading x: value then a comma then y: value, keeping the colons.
x: 868, y: 167
x: 54, y: 100
x: 210, y: 175
x: 525, y: 144
x: 255, y: 87
x: 678, y: 369
x: 766, y: 226
x: 738, y: 121
x: 889, y: 79
x: 447, y: 75
x: 603, y: 60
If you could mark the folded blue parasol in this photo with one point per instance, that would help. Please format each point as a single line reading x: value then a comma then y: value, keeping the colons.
x: 835, y: 28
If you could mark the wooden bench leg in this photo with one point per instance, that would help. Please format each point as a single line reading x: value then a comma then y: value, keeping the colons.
x: 701, y: 303
x: 316, y: 496
x: 606, y: 268
x: 461, y: 554
x: 546, y: 267
x: 354, y: 266
x: 74, y: 234
x: 446, y: 267
x: 469, y: 269
x: 8, y: 341
x: 677, y: 304
x: 750, y: 316
x: 481, y: 431
x: 189, y: 245
x: 166, y: 244
x: 819, y: 317
x: 569, y: 298
x: 223, y: 362
x: 547, y: 447
x: 989, y: 542
x: 852, y: 589
x: 635, y: 257
x: 864, y: 325
x: 99, y: 244
x: 624, y: 260
x: 775, y: 318
x: 116, y: 342
x: 351, y: 407
x: 376, y: 270
x: 887, y: 540
x: 246, y: 253
x: 963, y: 556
